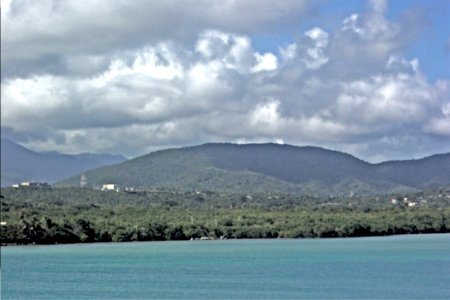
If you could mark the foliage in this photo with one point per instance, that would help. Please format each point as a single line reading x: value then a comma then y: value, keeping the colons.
x: 270, y: 167
x: 73, y: 215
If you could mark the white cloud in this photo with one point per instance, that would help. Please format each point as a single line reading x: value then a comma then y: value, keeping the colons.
x: 374, y: 25
x: 160, y: 63
x: 232, y: 51
x: 352, y: 23
x: 30, y: 103
x: 137, y: 85
x: 385, y: 98
x: 315, y: 56
x: 439, y: 126
x: 5, y: 7
x: 265, y: 62
x: 266, y: 115
x: 35, y: 32
x: 289, y: 52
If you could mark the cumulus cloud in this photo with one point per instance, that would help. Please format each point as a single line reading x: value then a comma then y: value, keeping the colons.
x: 130, y: 82
x: 374, y: 25
x: 266, y: 115
x: 46, y: 36
x: 315, y: 56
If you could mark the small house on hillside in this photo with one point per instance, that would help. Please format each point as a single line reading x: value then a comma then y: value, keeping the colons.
x: 110, y: 187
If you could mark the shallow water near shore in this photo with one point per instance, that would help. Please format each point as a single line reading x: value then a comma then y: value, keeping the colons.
x: 396, y: 267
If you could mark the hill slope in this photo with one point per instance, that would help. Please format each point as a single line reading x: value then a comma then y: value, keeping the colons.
x: 429, y: 172
x: 21, y: 164
x: 270, y: 167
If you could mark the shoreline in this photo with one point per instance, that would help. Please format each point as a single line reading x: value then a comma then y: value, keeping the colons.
x: 230, y: 239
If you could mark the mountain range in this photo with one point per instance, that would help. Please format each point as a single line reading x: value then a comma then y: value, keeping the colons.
x: 270, y: 168
x: 19, y: 164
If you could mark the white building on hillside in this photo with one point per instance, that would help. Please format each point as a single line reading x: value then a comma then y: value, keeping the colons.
x: 110, y: 187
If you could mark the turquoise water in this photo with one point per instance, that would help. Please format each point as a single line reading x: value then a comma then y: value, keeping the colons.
x: 399, y: 267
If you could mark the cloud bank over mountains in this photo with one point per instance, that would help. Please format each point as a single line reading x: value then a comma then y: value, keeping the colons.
x: 134, y: 76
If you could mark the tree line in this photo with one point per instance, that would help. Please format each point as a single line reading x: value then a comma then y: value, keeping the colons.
x: 83, y: 216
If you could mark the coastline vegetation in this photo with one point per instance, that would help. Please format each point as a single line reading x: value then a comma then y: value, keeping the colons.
x: 75, y: 215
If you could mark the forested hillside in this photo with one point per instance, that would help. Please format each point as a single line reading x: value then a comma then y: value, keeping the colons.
x: 270, y: 167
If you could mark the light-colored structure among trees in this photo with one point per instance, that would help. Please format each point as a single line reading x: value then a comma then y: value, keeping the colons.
x: 83, y: 181
x: 110, y: 187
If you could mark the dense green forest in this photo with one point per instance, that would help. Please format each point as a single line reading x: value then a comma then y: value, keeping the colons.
x: 270, y: 167
x: 73, y: 215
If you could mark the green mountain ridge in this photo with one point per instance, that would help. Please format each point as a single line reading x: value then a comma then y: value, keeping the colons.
x: 270, y: 167
x: 20, y: 164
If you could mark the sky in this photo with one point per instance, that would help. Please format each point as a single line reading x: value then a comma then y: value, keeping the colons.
x: 370, y: 78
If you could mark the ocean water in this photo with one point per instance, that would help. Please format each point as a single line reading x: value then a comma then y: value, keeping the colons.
x: 397, y: 267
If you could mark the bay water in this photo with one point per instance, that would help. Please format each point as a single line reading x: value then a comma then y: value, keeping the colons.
x: 396, y: 267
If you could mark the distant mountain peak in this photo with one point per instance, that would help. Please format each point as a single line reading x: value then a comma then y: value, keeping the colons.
x: 20, y: 164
